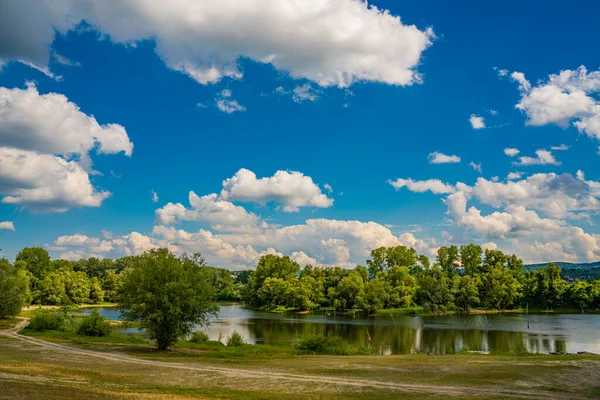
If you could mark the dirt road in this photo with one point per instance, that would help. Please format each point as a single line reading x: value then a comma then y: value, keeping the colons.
x: 257, y: 374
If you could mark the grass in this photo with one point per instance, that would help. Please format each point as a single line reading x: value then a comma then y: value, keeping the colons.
x: 46, y: 373
x: 8, y: 323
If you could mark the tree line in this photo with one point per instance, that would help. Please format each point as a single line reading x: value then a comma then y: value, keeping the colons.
x: 460, y: 278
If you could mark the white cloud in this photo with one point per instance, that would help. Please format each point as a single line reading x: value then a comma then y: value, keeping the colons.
x: 558, y: 196
x: 433, y: 185
x: 64, y: 60
x: 511, y: 152
x: 90, y: 244
x: 477, y: 122
x: 51, y: 124
x: 291, y: 188
x: 303, y: 259
x: 560, y: 148
x: 328, y: 187
x: 305, y: 93
x: 45, y: 145
x: 330, y: 42
x: 440, y: 158
x: 514, y: 175
x: 475, y: 167
x: 154, y: 196
x: 544, y: 157
x: 220, y: 214
x: 45, y: 183
x: 563, y: 99
x: 7, y: 225
x: 228, y: 105
x: 516, y: 221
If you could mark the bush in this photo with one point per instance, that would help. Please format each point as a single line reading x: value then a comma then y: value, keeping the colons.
x: 94, y: 325
x: 198, y: 337
x: 235, y: 339
x: 332, y: 344
x: 53, y: 321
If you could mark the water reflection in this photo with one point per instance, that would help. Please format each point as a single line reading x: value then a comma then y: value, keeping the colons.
x: 403, y: 335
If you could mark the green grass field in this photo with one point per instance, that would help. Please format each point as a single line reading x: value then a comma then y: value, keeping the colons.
x: 211, y: 370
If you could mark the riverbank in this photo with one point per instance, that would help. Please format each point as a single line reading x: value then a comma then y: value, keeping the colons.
x: 418, y: 311
x: 57, y: 368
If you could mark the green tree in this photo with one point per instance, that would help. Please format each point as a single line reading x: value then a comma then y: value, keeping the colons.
x: 14, y: 289
x: 375, y: 296
x: 400, y: 285
x: 579, y: 294
x: 168, y: 296
x: 351, y: 291
x: 470, y: 258
x: 465, y: 291
x: 111, y: 284
x: 77, y: 287
x: 383, y: 258
x: 551, y: 286
x: 447, y: 259
x: 434, y: 291
x: 37, y: 261
x: 52, y: 290
x: 269, y: 266
x: 96, y: 293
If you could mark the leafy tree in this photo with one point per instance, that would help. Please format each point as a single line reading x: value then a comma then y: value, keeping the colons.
x: 351, y: 290
x: 77, y: 287
x: 167, y: 296
x: 37, y: 261
x: 551, y: 286
x: 14, y: 289
x: 94, y: 325
x: 400, y: 285
x: 383, y: 258
x: 500, y: 288
x: 434, y: 292
x: 111, y: 284
x: 52, y: 290
x: 579, y: 294
x: 465, y: 291
x: 375, y: 296
x: 447, y: 259
x: 470, y: 258
x: 269, y: 266
x: 96, y: 293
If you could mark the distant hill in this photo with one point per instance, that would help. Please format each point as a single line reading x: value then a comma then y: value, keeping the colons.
x: 564, y: 265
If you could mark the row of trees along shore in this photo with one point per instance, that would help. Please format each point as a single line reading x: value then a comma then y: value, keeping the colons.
x: 395, y: 277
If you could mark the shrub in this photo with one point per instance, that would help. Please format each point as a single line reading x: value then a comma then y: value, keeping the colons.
x: 235, y: 339
x: 94, y: 325
x: 198, y: 337
x: 53, y: 321
x: 331, y: 344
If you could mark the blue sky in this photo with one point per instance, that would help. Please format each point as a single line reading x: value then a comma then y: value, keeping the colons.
x: 332, y: 93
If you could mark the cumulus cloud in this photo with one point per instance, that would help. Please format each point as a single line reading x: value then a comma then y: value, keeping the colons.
x: 433, y: 185
x: 154, y: 196
x: 316, y: 242
x: 514, y: 175
x: 511, y: 152
x: 569, y: 97
x: 7, y: 225
x: 330, y: 42
x: 45, y: 141
x: 544, y: 157
x: 328, y: 187
x: 51, y: 124
x: 440, y: 158
x: 477, y: 122
x: 290, y: 188
x: 226, y: 104
x: 45, y: 183
x: 220, y: 214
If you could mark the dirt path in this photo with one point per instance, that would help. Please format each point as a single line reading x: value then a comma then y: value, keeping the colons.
x: 242, y: 373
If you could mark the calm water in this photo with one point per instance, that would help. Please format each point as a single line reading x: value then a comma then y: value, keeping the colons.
x: 539, y: 333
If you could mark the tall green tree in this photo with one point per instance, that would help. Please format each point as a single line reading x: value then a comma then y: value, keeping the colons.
x: 37, y: 261
x: 168, y: 296
x: 447, y: 259
x: 14, y: 289
x: 470, y: 258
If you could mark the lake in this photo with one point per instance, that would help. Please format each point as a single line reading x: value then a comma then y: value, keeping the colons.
x: 535, y: 333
